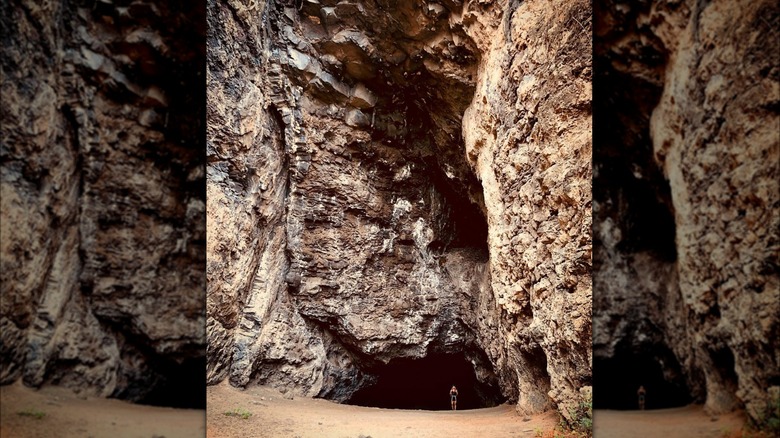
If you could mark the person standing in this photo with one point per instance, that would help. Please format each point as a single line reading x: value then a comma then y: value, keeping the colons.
x: 641, y: 393
x: 454, y: 398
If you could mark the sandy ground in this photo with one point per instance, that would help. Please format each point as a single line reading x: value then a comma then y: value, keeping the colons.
x: 58, y: 412
x: 272, y: 415
x: 686, y: 422
x: 269, y: 414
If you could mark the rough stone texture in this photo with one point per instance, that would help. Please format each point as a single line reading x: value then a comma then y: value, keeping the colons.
x: 103, y: 237
x: 527, y: 134
x: 705, y: 78
x: 356, y: 216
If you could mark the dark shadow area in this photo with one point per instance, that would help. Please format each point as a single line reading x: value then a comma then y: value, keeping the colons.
x: 425, y: 384
x: 183, y: 386
x: 723, y: 359
x: 627, y: 182
x: 469, y: 227
x: 536, y: 361
x: 616, y: 381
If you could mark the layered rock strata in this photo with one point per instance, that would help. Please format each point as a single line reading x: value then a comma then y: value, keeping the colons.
x: 103, y: 231
x: 397, y: 180
x: 687, y: 194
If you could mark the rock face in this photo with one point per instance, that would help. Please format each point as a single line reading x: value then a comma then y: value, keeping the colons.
x: 396, y: 182
x: 687, y: 190
x: 103, y: 237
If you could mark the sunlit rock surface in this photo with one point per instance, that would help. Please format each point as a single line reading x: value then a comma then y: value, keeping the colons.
x: 396, y: 180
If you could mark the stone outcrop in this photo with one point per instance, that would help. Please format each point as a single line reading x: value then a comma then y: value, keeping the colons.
x: 527, y: 135
x: 687, y: 195
x: 396, y: 181
x: 103, y: 232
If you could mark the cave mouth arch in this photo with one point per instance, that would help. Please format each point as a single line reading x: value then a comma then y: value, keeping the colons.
x: 425, y: 384
x: 180, y: 386
x: 617, y: 379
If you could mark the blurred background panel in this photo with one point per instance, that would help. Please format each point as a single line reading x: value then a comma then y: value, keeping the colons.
x: 686, y: 206
x: 102, y: 161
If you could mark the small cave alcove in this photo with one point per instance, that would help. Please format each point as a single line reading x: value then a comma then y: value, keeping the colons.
x: 617, y: 379
x: 181, y: 386
x: 467, y: 226
x: 425, y: 384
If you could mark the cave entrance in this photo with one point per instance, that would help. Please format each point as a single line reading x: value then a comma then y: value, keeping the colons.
x: 425, y: 384
x: 181, y: 385
x: 616, y: 380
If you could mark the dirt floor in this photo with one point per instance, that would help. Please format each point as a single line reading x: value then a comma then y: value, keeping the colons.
x: 264, y: 412
x: 58, y: 412
x: 685, y: 422
x: 269, y: 414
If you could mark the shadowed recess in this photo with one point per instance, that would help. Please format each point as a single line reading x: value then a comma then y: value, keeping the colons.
x: 425, y: 384
x: 184, y: 386
x: 616, y: 381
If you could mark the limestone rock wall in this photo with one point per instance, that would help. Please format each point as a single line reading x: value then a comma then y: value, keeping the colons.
x: 718, y: 141
x: 527, y: 134
x: 102, y: 194
x: 712, y: 71
x: 636, y: 293
x: 353, y: 218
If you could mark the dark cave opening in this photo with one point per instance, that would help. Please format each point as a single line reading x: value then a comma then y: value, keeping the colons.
x: 616, y: 381
x: 628, y: 184
x: 723, y: 359
x: 425, y: 384
x: 535, y: 361
x: 468, y: 224
x: 182, y: 385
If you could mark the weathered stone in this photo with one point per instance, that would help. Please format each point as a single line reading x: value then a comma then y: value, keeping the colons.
x: 103, y: 238
x: 362, y: 97
x: 686, y: 193
x: 328, y: 87
x: 435, y: 9
x: 380, y: 249
x: 356, y: 119
x: 537, y: 280
x: 300, y: 61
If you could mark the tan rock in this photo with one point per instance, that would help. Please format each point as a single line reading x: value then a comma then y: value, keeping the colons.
x: 102, y: 254
x: 346, y: 234
x: 692, y: 236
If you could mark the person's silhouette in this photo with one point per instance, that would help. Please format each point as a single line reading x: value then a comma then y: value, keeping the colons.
x: 454, y: 398
x: 641, y: 393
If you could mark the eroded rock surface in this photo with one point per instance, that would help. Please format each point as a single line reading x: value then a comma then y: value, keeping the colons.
x: 103, y: 237
x: 393, y: 180
x: 687, y: 195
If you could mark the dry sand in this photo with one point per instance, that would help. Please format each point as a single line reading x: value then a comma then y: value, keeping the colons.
x: 58, y: 412
x: 66, y: 414
x: 272, y: 415
x: 685, y: 422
